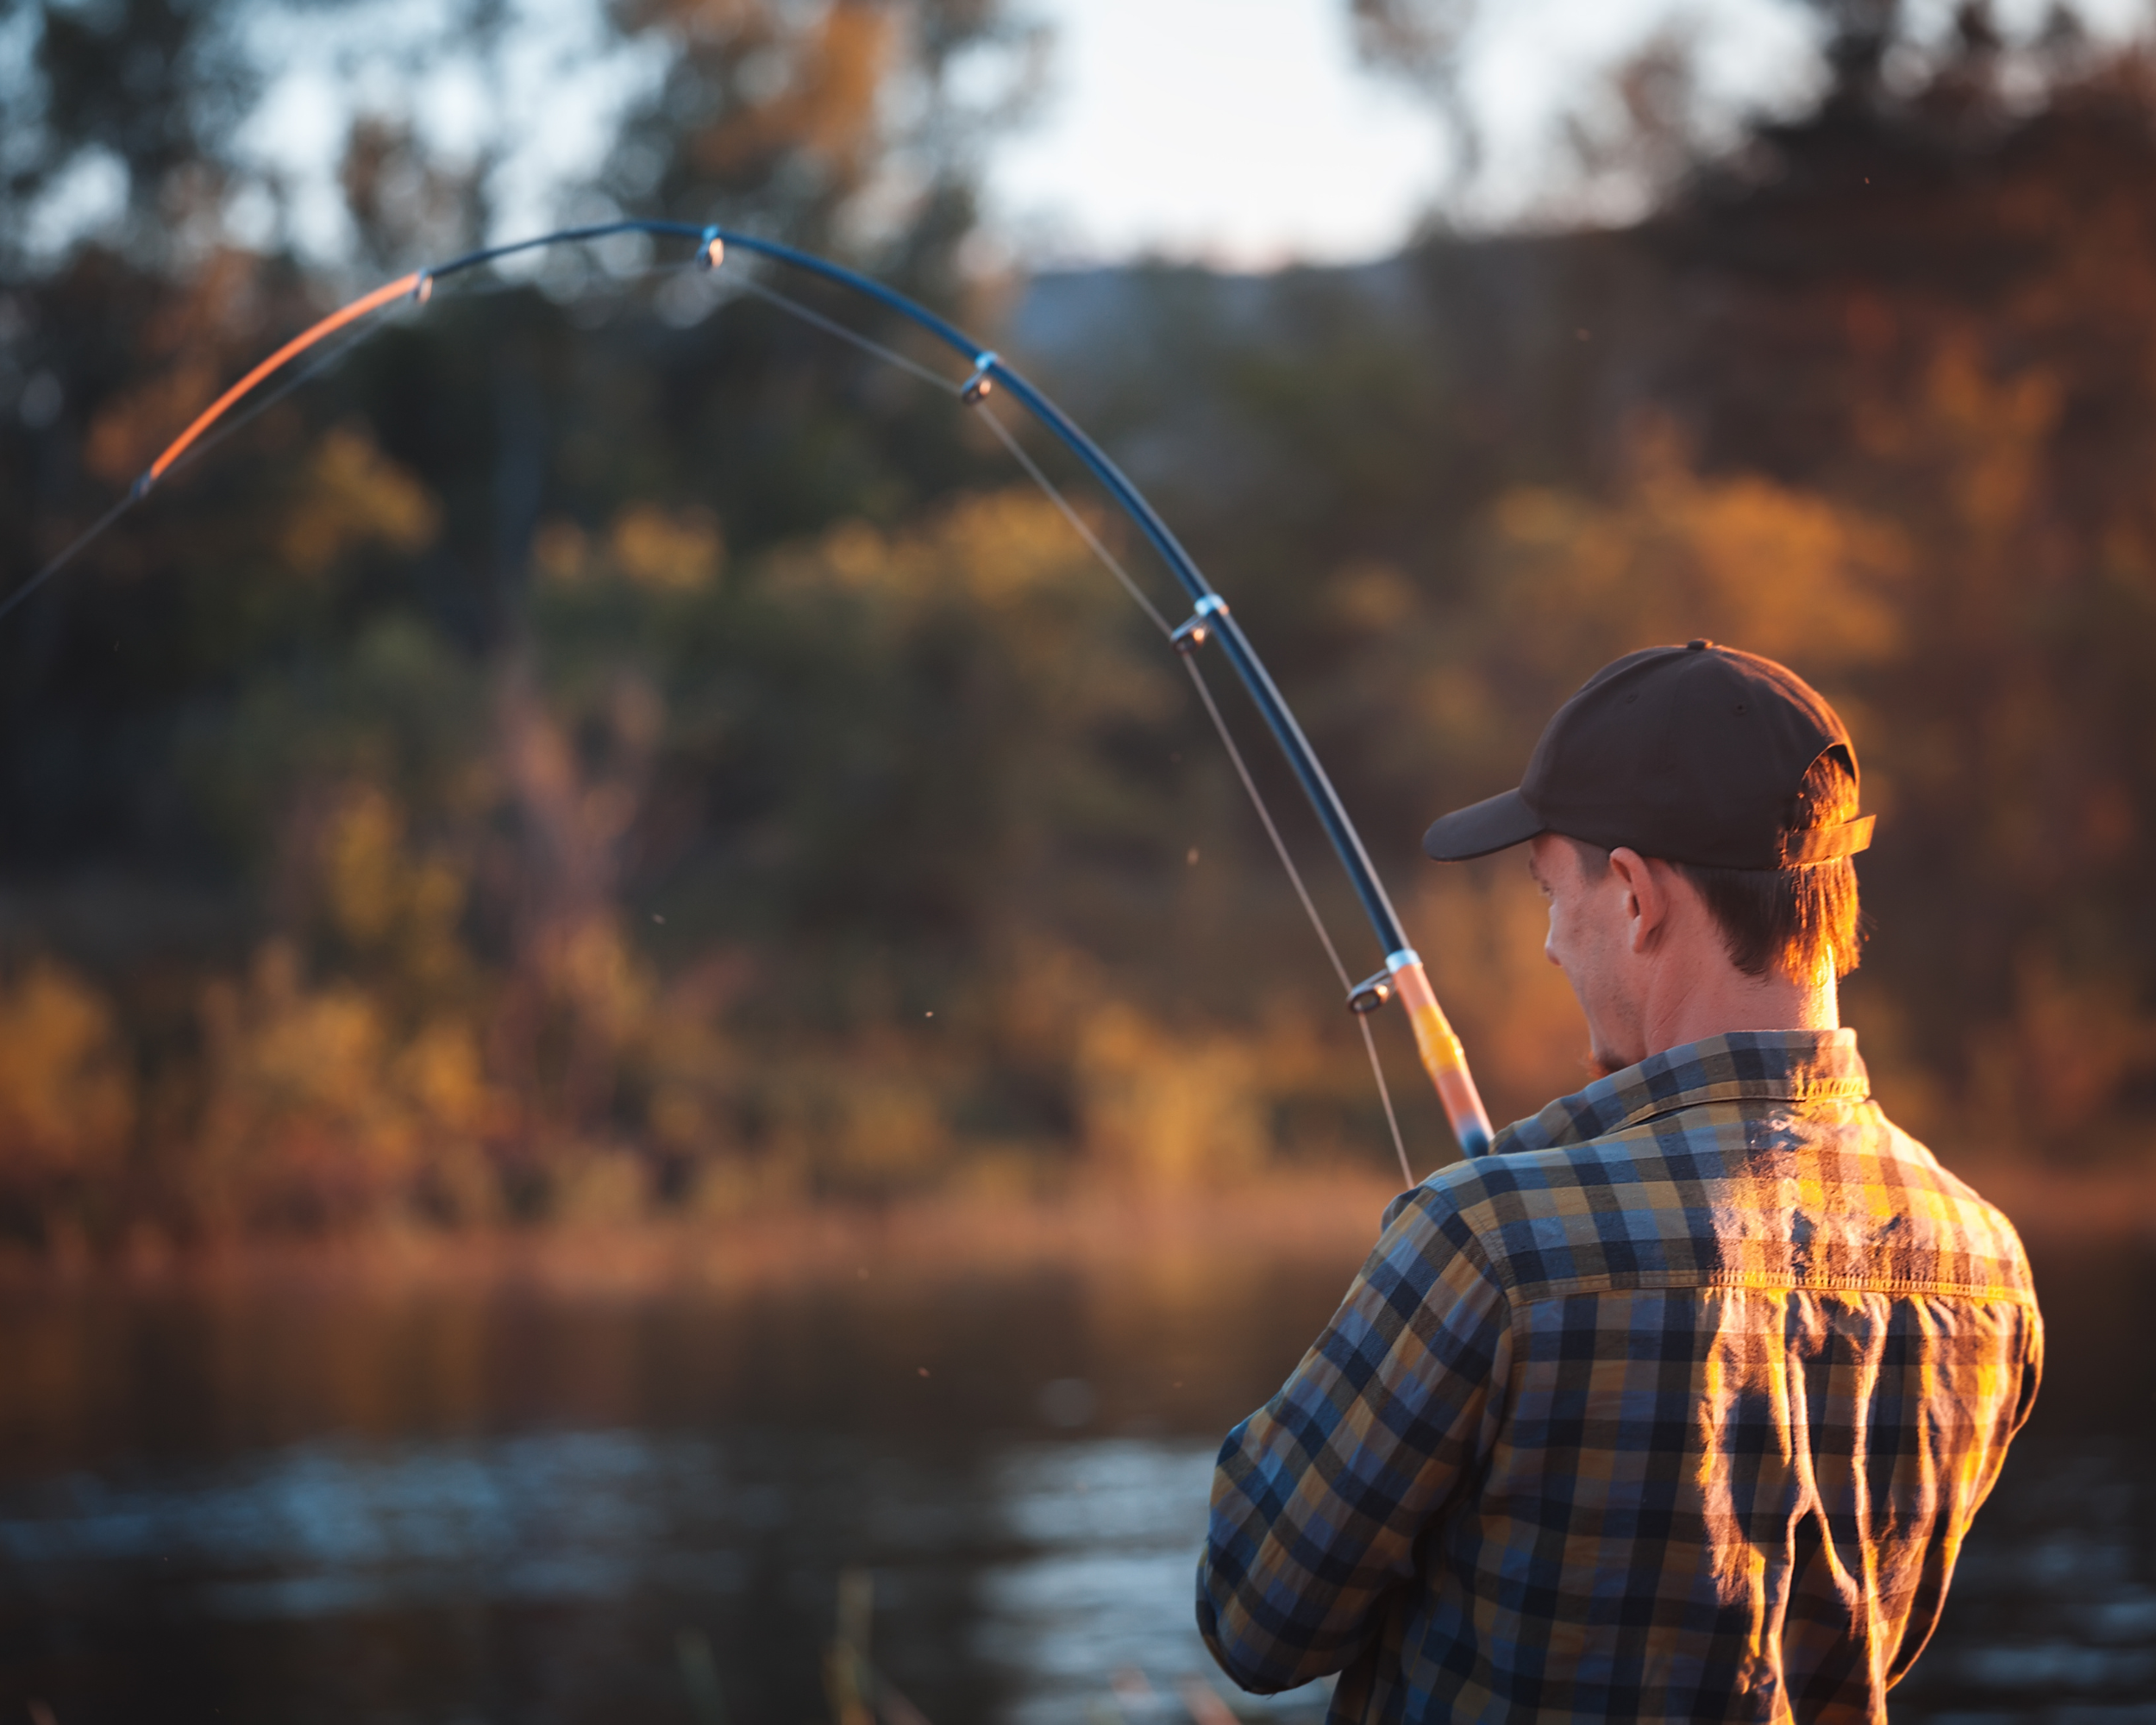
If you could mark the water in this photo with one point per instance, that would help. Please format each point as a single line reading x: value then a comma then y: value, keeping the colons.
x: 347, y: 1504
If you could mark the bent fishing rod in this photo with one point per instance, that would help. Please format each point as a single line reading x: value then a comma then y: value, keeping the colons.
x: 1403, y: 976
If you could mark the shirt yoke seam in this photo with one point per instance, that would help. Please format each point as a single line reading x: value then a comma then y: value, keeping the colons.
x: 1539, y: 1292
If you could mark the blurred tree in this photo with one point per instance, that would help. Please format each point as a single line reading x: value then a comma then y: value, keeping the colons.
x: 1934, y: 302
x: 844, y: 127
x: 1872, y: 391
x: 125, y: 112
x: 607, y: 745
x: 309, y: 695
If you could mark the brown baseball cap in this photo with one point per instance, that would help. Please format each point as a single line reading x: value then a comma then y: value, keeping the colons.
x: 1692, y: 753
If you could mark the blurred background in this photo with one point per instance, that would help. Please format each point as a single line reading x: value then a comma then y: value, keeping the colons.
x: 649, y: 1063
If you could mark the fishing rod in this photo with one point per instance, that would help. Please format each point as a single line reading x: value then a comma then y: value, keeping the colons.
x: 1403, y: 976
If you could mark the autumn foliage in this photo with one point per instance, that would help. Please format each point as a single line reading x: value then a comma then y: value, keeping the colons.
x: 597, y: 755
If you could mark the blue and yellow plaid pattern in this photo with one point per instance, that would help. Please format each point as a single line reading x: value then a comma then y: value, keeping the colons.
x: 1675, y: 1406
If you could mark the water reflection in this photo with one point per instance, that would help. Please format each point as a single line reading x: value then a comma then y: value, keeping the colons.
x: 1075, y: 1556
x: 499, y: 1509
x: 1110, y: 1532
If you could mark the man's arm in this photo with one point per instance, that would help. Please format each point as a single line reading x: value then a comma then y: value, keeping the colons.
x: 1321, y: 1495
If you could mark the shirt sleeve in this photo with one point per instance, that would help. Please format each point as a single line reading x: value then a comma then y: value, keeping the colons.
x: 1321, y: 1497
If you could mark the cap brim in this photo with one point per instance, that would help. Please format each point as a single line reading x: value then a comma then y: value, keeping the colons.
x: 1494, y: 824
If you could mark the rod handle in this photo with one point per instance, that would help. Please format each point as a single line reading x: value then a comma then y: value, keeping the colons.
x: 1443, y: 1059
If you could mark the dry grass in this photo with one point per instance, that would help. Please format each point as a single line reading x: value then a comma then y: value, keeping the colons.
x: 1334, y: 1216
x: 1301, y: 1218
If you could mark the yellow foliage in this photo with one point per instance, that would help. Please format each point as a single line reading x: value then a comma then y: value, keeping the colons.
x: 994, y: 549
x: 315, y: 1113
x: 380, y: 897
x: 678, y: 1118
x: 690, y: 1065
x: 1573, y: 582
x: 602, y: 1188
x: 1168, y: 1113
x: 354, y: 496
x: 441, y: 1073
x: 890, y: 1125
x: 360, y: 868
x: 302, y: 1122
x: 1010, y: 558
x: 664, y: 552
x: 871, y: 1115
x: 68, y: 1101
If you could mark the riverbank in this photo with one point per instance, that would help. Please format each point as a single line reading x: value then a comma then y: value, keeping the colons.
x: 1304, y: 1219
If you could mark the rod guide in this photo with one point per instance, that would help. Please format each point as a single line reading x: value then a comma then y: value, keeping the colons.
x: 1372, y: 993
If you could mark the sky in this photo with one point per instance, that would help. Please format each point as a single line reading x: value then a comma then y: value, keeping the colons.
x: 1243, y: 132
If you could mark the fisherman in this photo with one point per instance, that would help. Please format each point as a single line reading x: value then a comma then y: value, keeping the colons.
x: 1675, y: 1405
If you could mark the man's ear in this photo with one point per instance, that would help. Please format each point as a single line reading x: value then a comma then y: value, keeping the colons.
x: 1647, y: 896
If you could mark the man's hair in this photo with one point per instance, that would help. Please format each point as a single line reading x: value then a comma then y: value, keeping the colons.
x: 1792, y: 919
x: 1799, y: 917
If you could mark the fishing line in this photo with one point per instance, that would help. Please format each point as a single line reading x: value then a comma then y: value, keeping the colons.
x: 1385, y: 1095
x: 1310, y: 909
x: 1078, y: 524
x: 61, y: 561
x: 890, y: 356
x: 1077, y: 521
x: 1004, y: 436
x: 201, y: 446
x: 1404, y: 977
x: 1243, y: 772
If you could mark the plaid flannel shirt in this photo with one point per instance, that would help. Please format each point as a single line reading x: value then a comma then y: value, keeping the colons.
x: 1676, y: 1405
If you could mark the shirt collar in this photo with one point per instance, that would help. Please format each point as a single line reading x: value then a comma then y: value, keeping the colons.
x: 1752, y: 1065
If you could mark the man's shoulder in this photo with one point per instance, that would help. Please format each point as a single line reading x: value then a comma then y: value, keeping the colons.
x: 1726, y: 1192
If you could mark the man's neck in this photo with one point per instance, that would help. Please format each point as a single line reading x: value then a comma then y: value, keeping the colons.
x: 1715, y: 999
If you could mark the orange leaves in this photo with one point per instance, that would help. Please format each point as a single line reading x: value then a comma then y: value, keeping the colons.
x: 67, y: 1103
x: 818, y: 95
x: 1561, y: 582
x: 129, y: 431
x: 301, y: 1125
x: 1742, y: 560
x: 666, y: 553
x: 2060, y: 1065
x: 1167, y: 1112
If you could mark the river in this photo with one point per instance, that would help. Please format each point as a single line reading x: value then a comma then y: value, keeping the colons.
x: 261, y: 1502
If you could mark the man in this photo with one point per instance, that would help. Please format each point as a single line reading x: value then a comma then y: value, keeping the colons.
x: 1678, y: 1402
